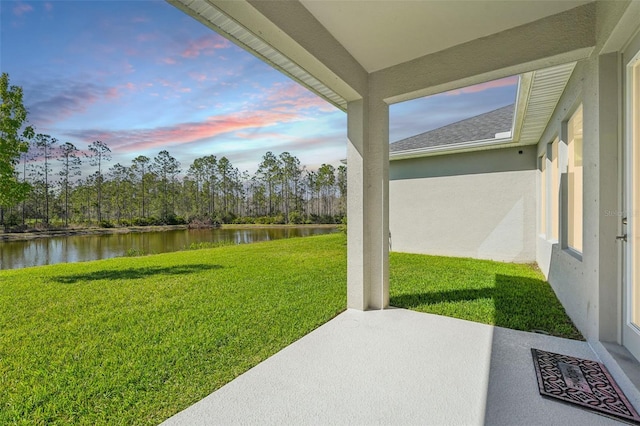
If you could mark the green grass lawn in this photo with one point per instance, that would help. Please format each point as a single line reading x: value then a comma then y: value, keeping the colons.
x: 504, y: 294
x: 135, y: 340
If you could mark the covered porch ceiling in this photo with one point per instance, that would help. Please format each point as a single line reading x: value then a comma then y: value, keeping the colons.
x: 337, y: 48
x: 382, y: 34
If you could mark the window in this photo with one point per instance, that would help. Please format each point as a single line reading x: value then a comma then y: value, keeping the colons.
x: 574, y: 181
x: 543, y: 194
x: 555, y: 189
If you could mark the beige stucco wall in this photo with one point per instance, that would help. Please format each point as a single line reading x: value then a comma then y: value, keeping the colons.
x: 479, y: 205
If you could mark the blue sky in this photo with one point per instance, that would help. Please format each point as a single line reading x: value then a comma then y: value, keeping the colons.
x: 143, y: 76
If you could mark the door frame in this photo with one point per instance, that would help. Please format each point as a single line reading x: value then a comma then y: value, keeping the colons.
x: 630, y: 331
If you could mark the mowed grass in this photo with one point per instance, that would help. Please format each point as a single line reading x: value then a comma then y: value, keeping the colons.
x: 504, y: 294
x: 135, y: 340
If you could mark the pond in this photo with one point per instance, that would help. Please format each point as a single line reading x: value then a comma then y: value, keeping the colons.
x: 78, y: 248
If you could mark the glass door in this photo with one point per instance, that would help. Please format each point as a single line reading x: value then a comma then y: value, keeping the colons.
x: 631, y: 224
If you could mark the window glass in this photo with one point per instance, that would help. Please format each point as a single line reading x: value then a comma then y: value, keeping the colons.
x: 574, y: 181
x: 543, y: 194
x: 555, y: 190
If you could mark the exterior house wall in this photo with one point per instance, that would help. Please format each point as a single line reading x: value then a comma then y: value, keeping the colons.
x: 564, y: 268
x: 588, y: 283
x: 479, y: 205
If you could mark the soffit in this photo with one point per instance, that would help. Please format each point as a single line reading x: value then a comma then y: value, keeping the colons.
x: 381, y: 34
x: 546, y: 89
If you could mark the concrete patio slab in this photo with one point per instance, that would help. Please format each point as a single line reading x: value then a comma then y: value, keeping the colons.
x: 398, y: 367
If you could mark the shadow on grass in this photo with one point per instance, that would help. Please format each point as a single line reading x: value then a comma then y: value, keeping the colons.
x: 411, y: 301
x: 520, y: 303
x: 133, y: 273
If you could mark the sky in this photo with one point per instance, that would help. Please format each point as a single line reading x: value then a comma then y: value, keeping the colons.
x: 142, y: 76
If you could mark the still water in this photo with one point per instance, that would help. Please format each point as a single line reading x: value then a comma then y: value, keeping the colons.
x: 78, y: 248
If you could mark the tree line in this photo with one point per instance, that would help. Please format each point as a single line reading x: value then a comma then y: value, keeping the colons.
x: 46, y: 182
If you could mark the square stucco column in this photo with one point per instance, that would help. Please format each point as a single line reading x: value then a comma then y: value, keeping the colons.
x: 368, y: 205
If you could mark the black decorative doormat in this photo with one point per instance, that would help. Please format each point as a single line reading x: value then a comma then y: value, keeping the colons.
x: 582, y: 382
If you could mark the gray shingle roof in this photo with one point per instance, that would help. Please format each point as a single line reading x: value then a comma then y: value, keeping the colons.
x: 480, y: 127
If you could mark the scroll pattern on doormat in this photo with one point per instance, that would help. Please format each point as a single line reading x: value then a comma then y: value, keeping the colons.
x: 582, y: 382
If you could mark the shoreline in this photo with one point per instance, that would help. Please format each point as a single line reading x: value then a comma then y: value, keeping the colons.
x: 71, y: 232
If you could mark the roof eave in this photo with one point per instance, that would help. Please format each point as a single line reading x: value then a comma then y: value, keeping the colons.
x: 453, y: 148
x: 238, y: 22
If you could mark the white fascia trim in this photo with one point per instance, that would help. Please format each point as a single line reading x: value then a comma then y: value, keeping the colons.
x: 522, y: 100
x: 453, y: 148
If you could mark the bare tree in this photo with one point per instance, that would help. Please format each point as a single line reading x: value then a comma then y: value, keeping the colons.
x: 140, y: 167
x: 166, y: 167
x: 71, y: 164
x: 45, y: 144
x: 100, y: 153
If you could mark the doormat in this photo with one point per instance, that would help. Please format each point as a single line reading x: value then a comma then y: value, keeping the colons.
x: 582, y: 382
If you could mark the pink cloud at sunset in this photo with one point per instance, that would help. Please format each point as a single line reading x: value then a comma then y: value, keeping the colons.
x: 125, y: 141
x: 292, y: 96
x: 198, y: 76
x: 112, y: 93
x: 128, y: 68
x: 174, y: 86
x: 503, y: 82
x: 139, y: 19
x: 146, y: 37
x: 265, y: 135
x: 21, y: 8
x: 204, y: 45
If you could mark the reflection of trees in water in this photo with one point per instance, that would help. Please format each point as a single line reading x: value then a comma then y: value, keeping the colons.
x: 78, y: 248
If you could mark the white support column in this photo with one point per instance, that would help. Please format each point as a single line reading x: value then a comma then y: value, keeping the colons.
x: 368, y: 205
